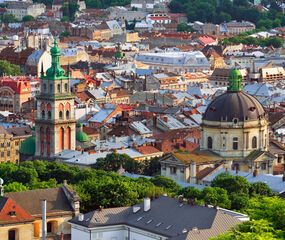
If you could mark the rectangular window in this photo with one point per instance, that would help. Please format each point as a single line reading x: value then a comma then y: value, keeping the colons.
x: 8, y: 154
x: 2, y: 154
x: 263, y: 166
x: 173, y: 170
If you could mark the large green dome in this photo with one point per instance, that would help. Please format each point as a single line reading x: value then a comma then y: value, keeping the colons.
x: 82, y: 137
x: 28, y: 146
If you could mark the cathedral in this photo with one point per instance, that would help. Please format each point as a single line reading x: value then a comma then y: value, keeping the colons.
x: 55, y: 124
x: 234, y: 135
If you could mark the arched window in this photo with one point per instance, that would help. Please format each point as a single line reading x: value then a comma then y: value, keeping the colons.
x: 49, y: 110
x: 210, y: 143
x: 61, y: 138
x: 66, y: 87
x: 254, y: 142
x: 68, y: 138
x: 50, y: 87
x: 235, y: 143
x: 44, y: 87
x: 48, y: 140
x: 58, y: 87
x: 67, y: 109
x: 43, y: 114
x: 60, y: 109
x: 42, y: 138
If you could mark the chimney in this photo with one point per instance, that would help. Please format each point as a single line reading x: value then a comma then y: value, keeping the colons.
x: 146, y: 204
x: 44, y: 225
x: 255, y: 173
x: 80, y: 217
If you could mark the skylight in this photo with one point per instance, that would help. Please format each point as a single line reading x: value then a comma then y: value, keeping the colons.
x: 149, y: 221
x: 169, y: 226
x: 140, y: 218
x: 157, y: 225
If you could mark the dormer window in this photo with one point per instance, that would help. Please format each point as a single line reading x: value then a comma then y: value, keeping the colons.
x: 12, y: 213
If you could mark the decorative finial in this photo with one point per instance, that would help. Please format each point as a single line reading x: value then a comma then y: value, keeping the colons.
x: 1, y: 187
x: 54, y: 37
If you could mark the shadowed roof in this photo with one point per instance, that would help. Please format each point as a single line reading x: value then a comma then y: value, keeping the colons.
x: 31, y: 201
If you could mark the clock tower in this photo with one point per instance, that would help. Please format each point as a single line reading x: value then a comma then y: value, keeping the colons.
x: 55, y: 123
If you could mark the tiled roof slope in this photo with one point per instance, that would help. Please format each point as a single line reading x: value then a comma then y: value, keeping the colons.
x: 31, y: 201
x: 10, y: 212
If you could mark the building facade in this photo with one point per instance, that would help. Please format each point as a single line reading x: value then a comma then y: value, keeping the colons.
x: 175, y: 61
x: 13, y: 93
x: 55, y: 124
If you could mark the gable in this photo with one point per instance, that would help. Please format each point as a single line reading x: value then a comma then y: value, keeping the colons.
x: 13, y: 213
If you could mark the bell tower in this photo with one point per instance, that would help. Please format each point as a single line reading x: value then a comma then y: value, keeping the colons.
x: 55, y: 123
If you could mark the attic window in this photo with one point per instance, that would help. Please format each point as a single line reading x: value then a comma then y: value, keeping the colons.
x: 12, y: 213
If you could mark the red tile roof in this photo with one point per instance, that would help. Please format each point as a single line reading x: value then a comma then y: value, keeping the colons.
x: 12, y: 213
x: 147, y: 150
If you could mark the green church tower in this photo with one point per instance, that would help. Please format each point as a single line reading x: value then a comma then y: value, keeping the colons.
x: 55, y: 123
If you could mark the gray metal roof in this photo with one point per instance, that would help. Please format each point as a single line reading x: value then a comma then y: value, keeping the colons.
x: 173, y: 216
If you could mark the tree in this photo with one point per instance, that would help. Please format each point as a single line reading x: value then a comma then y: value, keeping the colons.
x: 253, y: 229
x: 65, y: 34
x: 165, y: 183
x: 239, y: 201
x: 64, y: 19
x: 260, y: 188
x: 9, y: 18
x: 15, y: 187
x: 9, y: 69
x: 191, y: 192
x: 233, y: 184
x: 28, y: 18
x: 69, y: 10
x: 184, y: 27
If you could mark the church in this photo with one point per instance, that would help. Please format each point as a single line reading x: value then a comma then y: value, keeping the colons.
x: 234, y: 135
x: 55, y: 126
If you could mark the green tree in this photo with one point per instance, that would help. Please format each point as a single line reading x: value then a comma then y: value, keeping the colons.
x: 15, y: 187
x: 184, y: 27
x: 65, y: 34
x: 253, y: 230
x: 28, y: 18
x: 165, y: 183
x: 260, y: 188
x: 9, y: 18
x: 239, y: 201
x: 9, y: 69
x: 233, y: 184
x: 64, y: 19
x: 69, y: 10
x: 191, y: 192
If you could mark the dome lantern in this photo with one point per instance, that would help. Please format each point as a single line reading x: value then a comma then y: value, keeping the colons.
x: 235, y: 81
